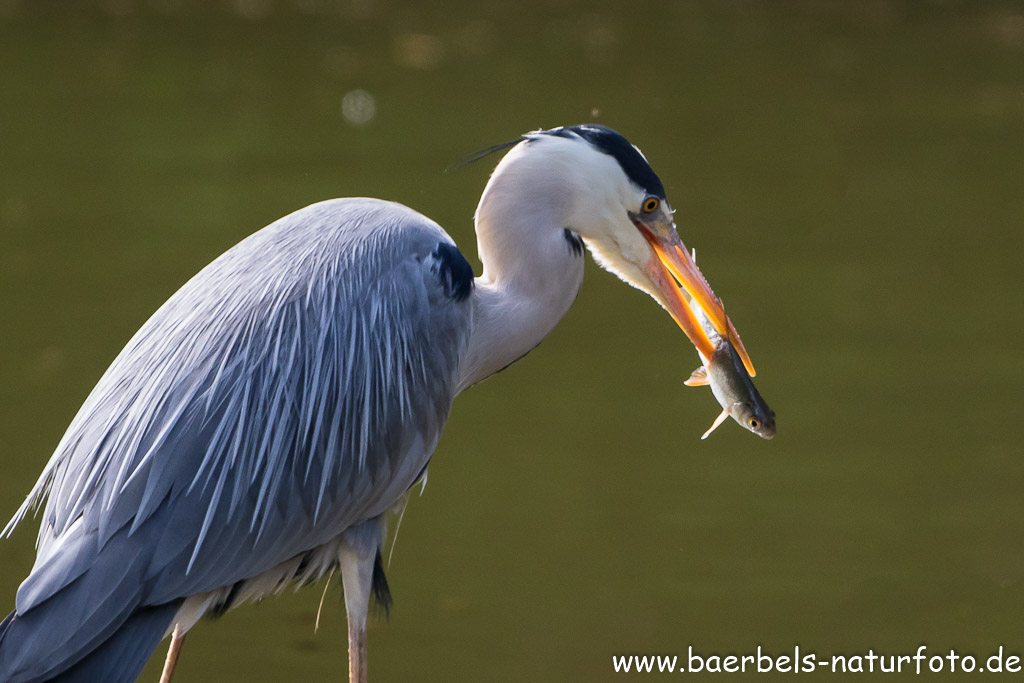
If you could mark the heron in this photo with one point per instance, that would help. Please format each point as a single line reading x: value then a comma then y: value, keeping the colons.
x: 258, y: 428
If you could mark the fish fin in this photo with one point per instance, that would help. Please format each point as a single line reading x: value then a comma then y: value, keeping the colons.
x: 718, y: 420
x: 693, y: 254
x: 698, y: 378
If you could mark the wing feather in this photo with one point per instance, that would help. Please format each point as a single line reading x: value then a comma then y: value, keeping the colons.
x: 293, y: 388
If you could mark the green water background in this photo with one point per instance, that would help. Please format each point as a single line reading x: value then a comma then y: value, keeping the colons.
x: 851, y: 175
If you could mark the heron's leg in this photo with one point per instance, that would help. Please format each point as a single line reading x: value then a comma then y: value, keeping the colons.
x: 358, y: 552
x: 177, y: 638
x: 356, y: 653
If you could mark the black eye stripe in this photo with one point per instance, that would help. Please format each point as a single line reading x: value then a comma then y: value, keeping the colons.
x: 609, y: 142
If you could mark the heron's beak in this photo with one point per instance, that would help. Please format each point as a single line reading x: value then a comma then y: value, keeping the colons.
x: 671, y: 264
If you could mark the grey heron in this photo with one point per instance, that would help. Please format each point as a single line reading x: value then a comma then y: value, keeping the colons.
x: 257, y: 429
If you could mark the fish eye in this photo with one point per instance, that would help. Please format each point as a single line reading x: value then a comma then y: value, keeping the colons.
x: 651, y: 204
x: 754, y: 423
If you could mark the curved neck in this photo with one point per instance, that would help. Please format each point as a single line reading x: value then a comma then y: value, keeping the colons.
x: 532, y: 273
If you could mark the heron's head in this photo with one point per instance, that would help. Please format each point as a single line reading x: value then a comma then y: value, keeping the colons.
x: 603, y: 189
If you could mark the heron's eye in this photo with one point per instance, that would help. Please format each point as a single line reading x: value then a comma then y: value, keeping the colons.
x: 650, y: 204
x: 753, y: 422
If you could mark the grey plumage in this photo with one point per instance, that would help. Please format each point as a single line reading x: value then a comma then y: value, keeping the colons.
x: 284, y: 394
x: 256, y: 430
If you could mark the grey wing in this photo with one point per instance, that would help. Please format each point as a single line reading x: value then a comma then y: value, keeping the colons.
x: 293, y: 388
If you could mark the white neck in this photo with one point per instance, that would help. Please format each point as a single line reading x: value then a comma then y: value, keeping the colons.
x: 532, y: 272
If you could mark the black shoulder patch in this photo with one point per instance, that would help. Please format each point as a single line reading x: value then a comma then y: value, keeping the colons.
x: 575, y: 242
x: 453, y: 271
x: 614, y: 145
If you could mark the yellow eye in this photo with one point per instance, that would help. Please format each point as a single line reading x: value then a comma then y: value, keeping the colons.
x: 650, y: 204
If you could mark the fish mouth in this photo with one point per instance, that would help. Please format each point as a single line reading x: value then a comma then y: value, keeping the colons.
x: 682, y: 286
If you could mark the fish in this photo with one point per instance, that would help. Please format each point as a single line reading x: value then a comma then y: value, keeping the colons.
x: 735, y: 391
x: 726, y: 365
x: 726, y: 372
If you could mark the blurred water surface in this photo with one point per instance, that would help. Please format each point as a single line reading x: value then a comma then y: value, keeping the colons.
x: 850, y: 174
